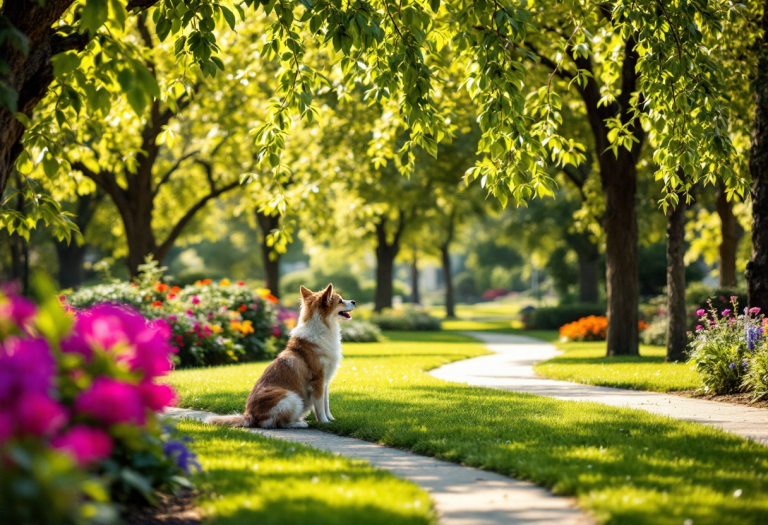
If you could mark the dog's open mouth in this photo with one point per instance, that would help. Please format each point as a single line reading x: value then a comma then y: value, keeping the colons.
x: 345, y: 315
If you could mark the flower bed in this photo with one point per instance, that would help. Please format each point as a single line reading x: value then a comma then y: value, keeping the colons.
x: 729, y: 351
x: 211, y: 323
x: 78, y: 400
x: 591, y: 328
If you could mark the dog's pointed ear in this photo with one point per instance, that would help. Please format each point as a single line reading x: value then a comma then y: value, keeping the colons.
x: 305, y: 293
x: 328, y: 293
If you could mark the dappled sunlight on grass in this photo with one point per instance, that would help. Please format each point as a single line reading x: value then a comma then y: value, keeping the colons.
x: 626, y: 466
x: 587, y: 363
x: 248, y: 478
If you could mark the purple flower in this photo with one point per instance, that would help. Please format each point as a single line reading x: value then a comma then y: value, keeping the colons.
x: 26, y: 365
x: 39, y: 415
x: 111, y: 402
x: 732, y: 366
x: 185, y: 458
x: 19, y: 309
x: 753, y: 334
x: 726, y: 312
x: 744, y: 363
x: 85, y: 444
x: 701, y: 312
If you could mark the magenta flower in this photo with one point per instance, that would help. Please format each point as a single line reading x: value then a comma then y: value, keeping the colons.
x: 734, y: 298
x: 755, y: 310
x: 726, y: 312
x: 712, y: 323
x: 701, y: 312
x: 6, y: 426
x: 699, y: 328
x: 39, y: 415
x: 26, y: 365
x: 152, y: 350
x: 172, y: 318
x: 19, y: 309
x: 85, y: 444
x: 111, y: 402
x: 195, y: 299
x: 108, y: 325
x: 157, y: 397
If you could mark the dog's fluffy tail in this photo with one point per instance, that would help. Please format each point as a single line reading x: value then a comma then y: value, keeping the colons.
x: 230, y: 421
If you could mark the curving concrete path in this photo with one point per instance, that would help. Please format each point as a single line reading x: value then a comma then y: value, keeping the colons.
x: 511, y: 368
x: 462, y: 495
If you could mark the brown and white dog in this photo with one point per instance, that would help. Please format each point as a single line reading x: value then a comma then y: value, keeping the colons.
x: 297, y: 381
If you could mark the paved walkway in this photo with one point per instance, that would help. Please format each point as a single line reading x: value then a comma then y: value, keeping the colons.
x: 462, y: 495
x: 511, y: 368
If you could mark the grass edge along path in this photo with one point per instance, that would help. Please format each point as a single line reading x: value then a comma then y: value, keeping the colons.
x: 625, y: 466
x: 249, y: 478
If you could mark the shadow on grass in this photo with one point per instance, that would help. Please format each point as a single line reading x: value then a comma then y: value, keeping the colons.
x: 677, y: 470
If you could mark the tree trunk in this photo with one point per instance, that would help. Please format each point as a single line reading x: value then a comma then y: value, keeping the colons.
x: 588, y: 256
x: 385, y: 262
x: 415, y: 298
x: 620, y: 225
x: 450, y: 307
x: 731, y: 234
x: 757, y: 269
x: 141, y: 241
x: 71, y: 257
x: 677, y: 338
x: 271, y: 259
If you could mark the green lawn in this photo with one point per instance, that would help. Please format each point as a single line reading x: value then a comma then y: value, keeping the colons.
x: 625, y: 466
x: 248, y: 478
x: 587, y: 363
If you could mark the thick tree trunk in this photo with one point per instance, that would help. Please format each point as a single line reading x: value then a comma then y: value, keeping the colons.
x: 731, y: 234
x: 620, y: 225
x: 271, y: 259
x: 28, y: 74
x: 757, y: 269
x: 415, y: 297
x: 450, y: 307
x: 141, y: 241
x: 71, y: 257
x: 588, y: 256
x: 385, y: 262
x: 676, y: 315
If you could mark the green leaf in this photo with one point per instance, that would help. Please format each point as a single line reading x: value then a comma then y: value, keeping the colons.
x: 229, y: 17
x: 93, y: 16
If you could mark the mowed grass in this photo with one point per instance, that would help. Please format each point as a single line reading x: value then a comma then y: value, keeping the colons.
x: 587, y: 363
x: 248, y: 478
x: 625, y: 466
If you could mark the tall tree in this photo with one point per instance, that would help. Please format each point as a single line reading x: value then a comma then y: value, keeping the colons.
x: 677, y: 337
x: 71, y: 255
x: 731, y: 233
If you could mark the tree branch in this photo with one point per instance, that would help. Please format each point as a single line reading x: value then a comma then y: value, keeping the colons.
x: 163, y: 249
x: 172, y: 169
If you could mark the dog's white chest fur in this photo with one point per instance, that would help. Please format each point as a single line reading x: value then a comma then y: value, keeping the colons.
x: 328, y: 342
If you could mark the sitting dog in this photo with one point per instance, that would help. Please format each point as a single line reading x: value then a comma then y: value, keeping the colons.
x: 297, y: 381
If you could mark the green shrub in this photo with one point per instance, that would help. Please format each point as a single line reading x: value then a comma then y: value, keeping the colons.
x: 722, y: 346
x: 358, y: 331
x: 697, y: 295
x: 407, y: 319
x: 656, y: 333
x: 553, y: 317
x: 212, y: 323
x: 756, y: 379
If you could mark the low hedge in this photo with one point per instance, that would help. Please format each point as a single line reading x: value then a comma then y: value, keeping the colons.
x: 358, y: 331
x: 553, y: 317
x: 407, y: 319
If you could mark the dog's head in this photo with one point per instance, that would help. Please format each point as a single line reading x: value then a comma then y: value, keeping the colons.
x: 327, y: 305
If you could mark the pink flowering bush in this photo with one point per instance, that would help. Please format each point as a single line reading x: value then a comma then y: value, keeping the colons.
x: 723, y: 346
x: 79, y: 396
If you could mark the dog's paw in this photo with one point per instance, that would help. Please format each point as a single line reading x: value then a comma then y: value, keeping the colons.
x: 299, y: 424
x: 331, y: 418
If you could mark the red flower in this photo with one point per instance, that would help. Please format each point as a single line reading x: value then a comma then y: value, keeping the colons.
x: 240, y: 283
x: 157, y: 304
x: 242, y: 308
x: 171, y: 296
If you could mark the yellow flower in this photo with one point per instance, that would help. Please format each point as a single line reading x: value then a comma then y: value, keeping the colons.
x: 246, y: 327
x: 290, y: 324
x: 224, y: 282
x: 216, y: 329
x: 263, y: 292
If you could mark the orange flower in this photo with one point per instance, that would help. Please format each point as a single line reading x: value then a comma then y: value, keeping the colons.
x: 157, y: 304
x: 242, y: 308
x: 592, y: 328
x: 198, y: 283
x: 162, y: 287
x: 271, y: 298
x: 206, y: 281
x: 642, y: 325
x: 175, y: 289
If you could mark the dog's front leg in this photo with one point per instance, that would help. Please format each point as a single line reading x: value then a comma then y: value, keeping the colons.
x: 327, y: 404
x: 319, y: 407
